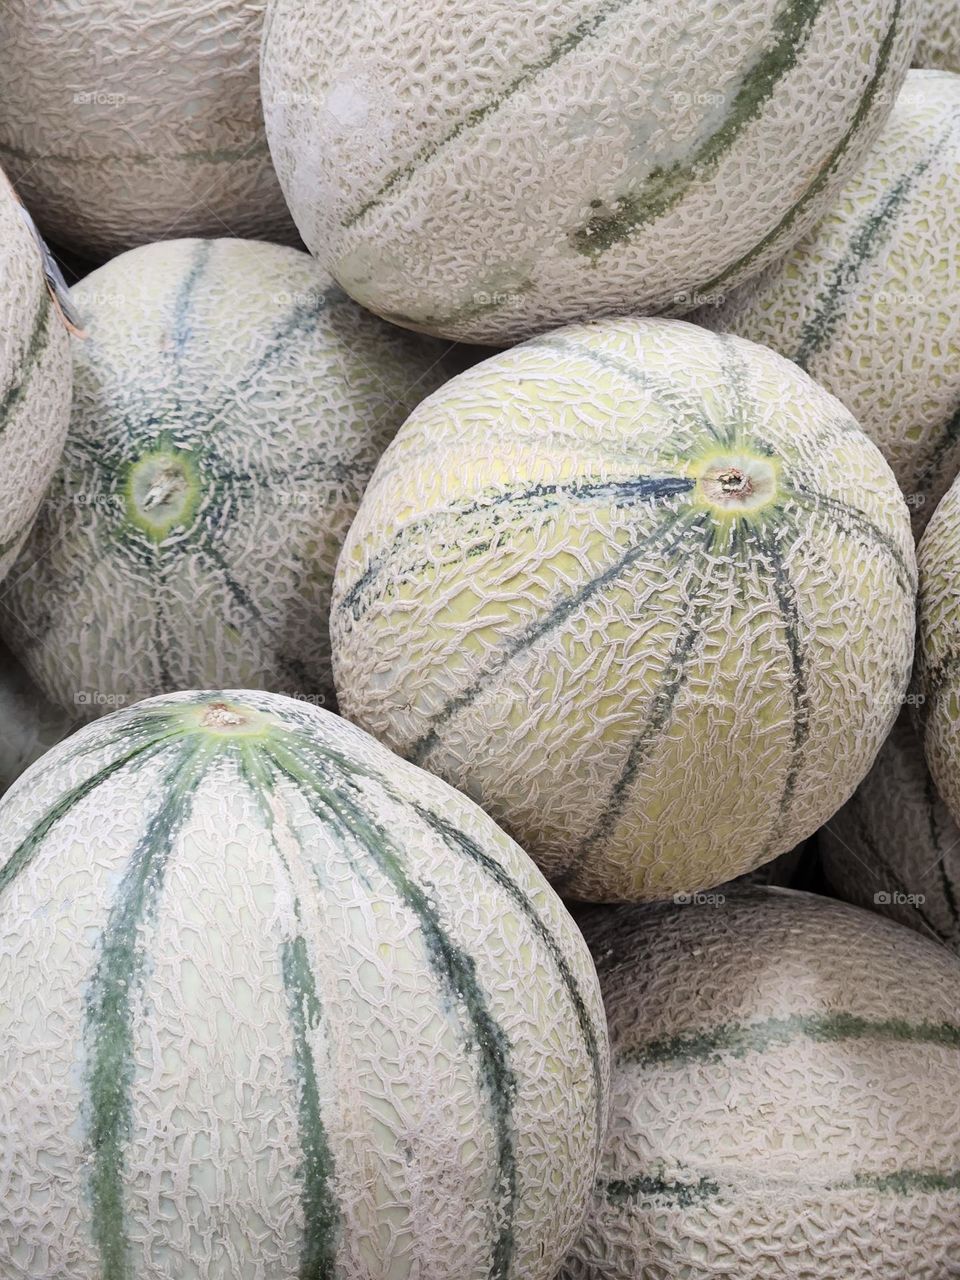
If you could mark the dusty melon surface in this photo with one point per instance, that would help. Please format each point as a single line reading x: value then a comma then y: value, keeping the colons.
x: 126, y: 121
x: 579, y: 158
x: 644, y: 592
x: 35, y: 380
x: 230, y: 406
x: 785, y: 1095
x: 939, y: 43
x: 307, y: 1012
x: 938, y: 642
x: 867, y: 302
x: 31, y: 724
x: 893, y: 847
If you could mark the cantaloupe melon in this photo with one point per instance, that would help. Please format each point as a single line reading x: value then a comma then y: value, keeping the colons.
x: 230, y: 405
x: 939, y: 43
x: 867, y: 302
x: 938, y: 648
x: 35, y: 379
x: 489, y: 170
x: 786, y: 1096
x: 30, y: 724
x: 893, y: 847
x: 277, y: 1004
x: 126, y: 121
x: 645, y: 593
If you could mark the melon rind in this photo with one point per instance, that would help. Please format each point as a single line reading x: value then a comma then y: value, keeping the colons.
x: 278, y: 1004
x: 31, y: 724
x: 867, y: 302
x: 492, y: 170
x: 786, y: 1095
x: 939, y: 43
x: 271, y: 395
x: 538, y: 602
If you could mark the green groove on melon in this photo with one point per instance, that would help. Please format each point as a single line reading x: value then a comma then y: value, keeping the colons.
x: 868, y: 238
x: 558, y: 49
x: 36, y: 345
x: 655, y: 1187
x: 215, y: 155
x: 948, y: 439
x: 643, y: 1188
x: 666, y: 187
x: 854, y: 524
x: 180, y: 329
x: 826, y: 172
x: 739, y: 1039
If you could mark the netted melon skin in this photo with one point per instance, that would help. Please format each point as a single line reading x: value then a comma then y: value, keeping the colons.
x: 278, y: 1005
x: 894, y: 847
x: 939, y: 43
x: 126, y: 122
x: 31, y: 724
x: 785, y: 1095
x: 938, y: 648
x: 866, y: 303
x: 492, y: 170
x: 35, y: 381
x: 538, y: 601
x: 272, y: 395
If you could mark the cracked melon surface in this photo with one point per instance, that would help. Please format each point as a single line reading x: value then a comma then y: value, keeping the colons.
x: 938, y: 641
x: 894, y: 847
x: 278, y: 1004
x: 867, y: 302
x: 645, y: 593
x: 230, y: 405
x: 126, y: 121
x: 491, y: 170
x: 35, y: 380
x: 939, y: 43
x: 785, y: 1095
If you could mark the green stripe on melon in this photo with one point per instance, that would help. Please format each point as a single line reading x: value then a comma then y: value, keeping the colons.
x: 785, y: 1075
x: 623, y: 586
x: 230, y: 406
x: 865, y: 302
x: 304, y: 994
x: 35, y: 380
x: 122, y: 125
x: 536, y: 183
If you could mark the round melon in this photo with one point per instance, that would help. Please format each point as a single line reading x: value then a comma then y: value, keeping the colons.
x: 230, y: 406
x: 785, y: 1095
x: 35, y: 379
x: 277, y: 1004
x: 938, y: 645
x: 489, y: 170
x: 645, y: 593
x: 867, y: 302
x: 893, y: 847
x: 126, y: 121
x: 31, y: 724
x: 939, y: 43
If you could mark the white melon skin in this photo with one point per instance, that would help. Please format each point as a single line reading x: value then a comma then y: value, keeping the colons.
x: 937, y: 677
x: 538, y: 602
x: 866, y: 302
x: 220, y: 1050
x: 894, y: 847
x: 30, y: 723
x: 281, y: 393
x: 939, y: 43
x: 491, y: 170
x: 125, y: 122
x: 35, y: 380
x: 786, y: 1095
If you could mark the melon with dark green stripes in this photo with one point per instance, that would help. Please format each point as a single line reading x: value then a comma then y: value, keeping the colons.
x: 230, y: 406
x: 490, y: 170
x: 643, y: 592
x: 126, y: 123
x: 785, y: 1095
x: 278, y: 1004
x: 35, y: 380
x: 937, y: 682
x: 939, y: 43
x: 31, y: 724
x: 894, y: 847
x: 867, y: 302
